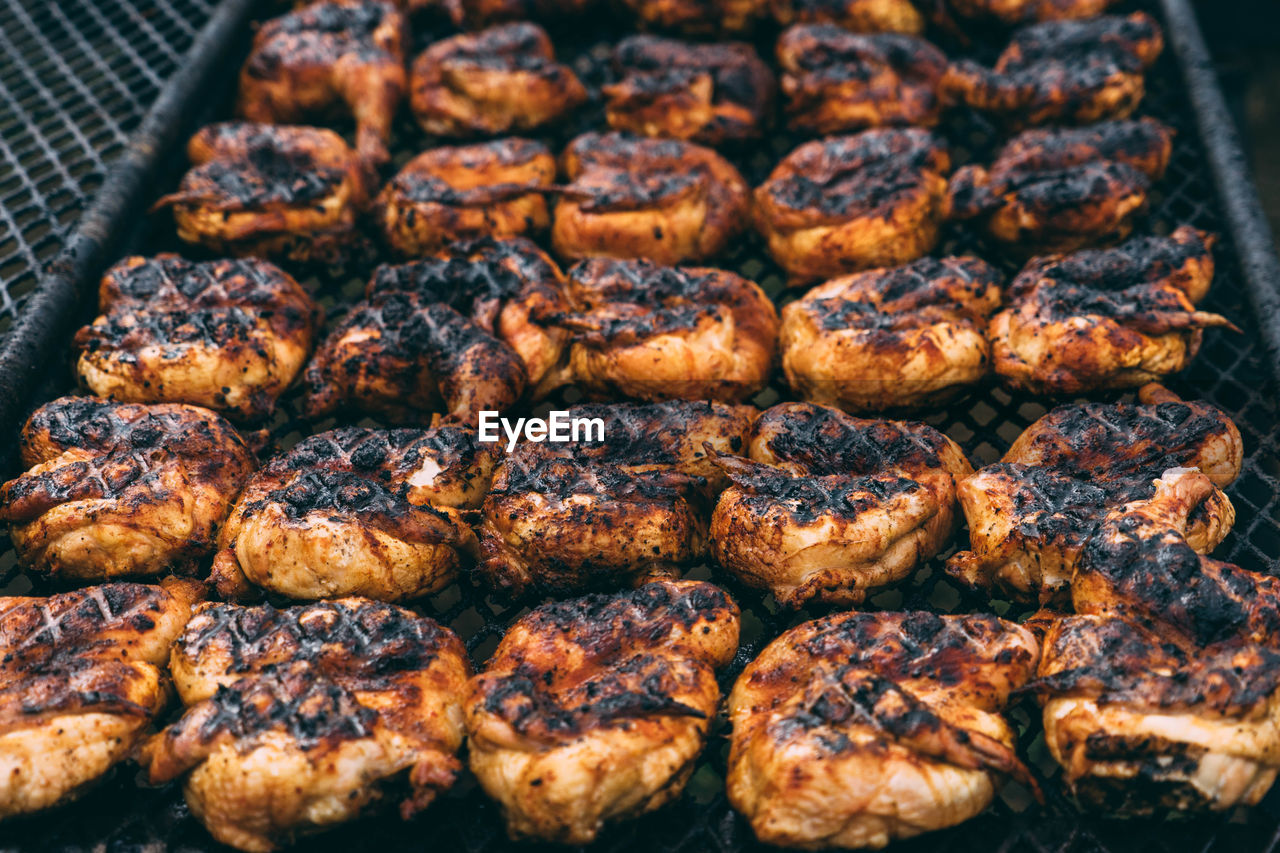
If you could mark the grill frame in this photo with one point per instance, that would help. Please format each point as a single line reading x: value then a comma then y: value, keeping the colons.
x: 119, y: 816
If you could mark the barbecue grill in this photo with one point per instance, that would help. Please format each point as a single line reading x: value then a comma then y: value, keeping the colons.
x: 77, y: 77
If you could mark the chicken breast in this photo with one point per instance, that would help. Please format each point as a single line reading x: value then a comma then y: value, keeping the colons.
x: 228, y: 335
x: 356, y: 512
x: 662, y: 199
x: 503, y: 79
x: 859, y: 729
x: 81, y: 680
x: 116, y: 489
x: 905, y: 337
x: 449, y: 193
x: 298, y: 719
x: 594, y: 710
x: 848, y: 203
x: 652, y: 332
x: 1031, y: 514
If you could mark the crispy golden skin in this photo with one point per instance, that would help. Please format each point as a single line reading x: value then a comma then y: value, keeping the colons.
x: 336, y: 56
x: 1073, y: 72
x: 834, y: 508
x: 847, y: 203
x: 297, y: 718
x: 229, y: 335
x: 491, y: 189
x: 662, y: 199
x: 858, y: 729
x: 1031, y: 514
x: 502, y: 79
x: 658, y: 333
x: 1112, y: 318
x: 974, y: 13
x: 592, y: 514
x: 115, y: 489
x: 1064, y: 189
x: 276, y: 191
x: 81, y: 679
x: 1165, y: 691
x: 707, y: 93
x: 697, y: 17
x: 462, y: 331
x: 836, y: 81
x: 356, y: 512
x: 900, y: 338
x: 594, y: 710
x: 859, y: 16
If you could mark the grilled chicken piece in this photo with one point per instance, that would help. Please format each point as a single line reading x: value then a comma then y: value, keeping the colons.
x: 297, y: 719
x: 858, y: 729
x: 848, y: 203
x: 1072, y: 72
x: 81, y: 679
x: 230, y: 335
x: 1162, y: 692
x: 662, y: 199
x: 594, y: 710
x: 698, y: 17
x: 455, y: 332
x: 1114, y: 318
x: 835, y: 81
x: 491, y: 189
x: 859, y: 16
x: 261, y: 190
x: 499, y: 80
x: 118, y: 489
x: 475, y: 14
x: 337, y: 56
x: 621, y: 506
x: 1059, y: 190
x: 1031, y: 514
x: 835, y: 508
x: 356, y: 512
x: 659, y: 333
x: 901, y: 338
x: 708, y: 93
x: 1016, y: 12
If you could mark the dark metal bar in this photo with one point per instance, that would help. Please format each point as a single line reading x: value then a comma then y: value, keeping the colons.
x: 1254, y: 242
x: 45, y: 320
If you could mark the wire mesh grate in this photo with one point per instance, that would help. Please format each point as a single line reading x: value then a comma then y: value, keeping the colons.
x: 1229, y: 372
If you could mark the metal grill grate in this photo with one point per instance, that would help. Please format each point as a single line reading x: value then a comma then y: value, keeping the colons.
x: 1230, y: 372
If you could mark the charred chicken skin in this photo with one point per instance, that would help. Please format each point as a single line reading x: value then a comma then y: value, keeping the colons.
x: 604, y: 513
x: 858, y: 729
x: 859, y: 16
x: 848, y: 203
x: 707, y: 93
x: 229, y: 335
x: 654, y: 333
x: 899, y: 338
x: 462, y: 331
x: 1163, y: 691
x: 117, y: 489
x: 81, y: 679
x: 261, y: 190
x: 344, y: 54
x: 594, y: 710
x: 698, y: 17
x: 356, y: 512
x: 1017, y: 12
x: 836, y: 81
x: 1072, y: 72
x: 296, y: 719
x: 1031, y: 514
x: 1059, y: 190
x: 474, y: 14
x: 491, y: 189
x: 500, y: 80
x: 662, y: 199
x: 1114, y: 318
x: 833, y: 508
